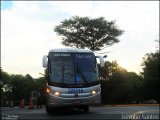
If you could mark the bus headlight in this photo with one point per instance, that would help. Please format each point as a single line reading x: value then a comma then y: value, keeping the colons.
x: 57, y: 93
x: 49, y: 91
x: 93, y: 92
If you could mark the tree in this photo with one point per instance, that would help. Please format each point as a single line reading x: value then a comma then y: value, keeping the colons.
x: 113, y: 81
x: 17, y: 87
x: 20, y: 87
x: 120, y: 86
x: 5, y: 81
x: 84, y: 32
x: 5, y: 86
x: 151, y: 65
x: 135, y: 87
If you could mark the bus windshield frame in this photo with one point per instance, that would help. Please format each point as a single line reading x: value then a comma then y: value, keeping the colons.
x: 72, y: 69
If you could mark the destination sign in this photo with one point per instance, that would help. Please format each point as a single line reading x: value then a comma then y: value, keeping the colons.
x: 61, y: 54
x: 84, y: 55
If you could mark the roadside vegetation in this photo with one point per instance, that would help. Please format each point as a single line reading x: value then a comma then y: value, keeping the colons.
x: 120, y: 86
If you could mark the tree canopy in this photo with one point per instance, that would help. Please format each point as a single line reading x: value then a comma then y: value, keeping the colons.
x: 84, y: 32
x: 17, y: 87
x: 151, y: 75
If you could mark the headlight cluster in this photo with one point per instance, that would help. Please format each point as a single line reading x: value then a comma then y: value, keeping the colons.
x: 93, y: 92
x: 49, y: 91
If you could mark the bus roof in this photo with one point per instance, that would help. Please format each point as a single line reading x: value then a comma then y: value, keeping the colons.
x: 77, y: 50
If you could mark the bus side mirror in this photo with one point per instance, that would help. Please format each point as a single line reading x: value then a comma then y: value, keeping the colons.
x: 101, y: 61
x: 45, y: 61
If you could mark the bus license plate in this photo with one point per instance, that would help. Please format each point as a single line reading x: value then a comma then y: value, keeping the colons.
x: 76, y: 102
x: 75, y: 90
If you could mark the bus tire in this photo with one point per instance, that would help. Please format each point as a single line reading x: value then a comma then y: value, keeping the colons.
x: 49, y: 110
x: 86, y: 108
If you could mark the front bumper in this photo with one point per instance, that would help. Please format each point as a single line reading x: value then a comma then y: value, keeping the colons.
x: 54, y: 101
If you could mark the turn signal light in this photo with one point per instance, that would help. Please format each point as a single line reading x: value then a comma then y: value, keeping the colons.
x: 48, y: 90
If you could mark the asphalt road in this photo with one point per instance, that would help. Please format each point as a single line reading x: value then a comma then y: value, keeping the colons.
x: 115, y: 112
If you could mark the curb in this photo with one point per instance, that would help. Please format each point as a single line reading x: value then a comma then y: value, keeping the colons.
x: 13, y: 108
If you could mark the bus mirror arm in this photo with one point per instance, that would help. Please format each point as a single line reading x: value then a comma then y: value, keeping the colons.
x: 101, y: 61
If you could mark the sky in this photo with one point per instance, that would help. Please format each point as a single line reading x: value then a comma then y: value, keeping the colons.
x: 27, y: 31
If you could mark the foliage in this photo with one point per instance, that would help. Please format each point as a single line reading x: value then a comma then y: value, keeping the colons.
x: 17, y: 87
x: 5, y: 81
x: 151, y: 70
x: 114, y: 83
x: 120, y: 86
x: 84, y: 32
x: 135, y: 87
x: 22, y: 85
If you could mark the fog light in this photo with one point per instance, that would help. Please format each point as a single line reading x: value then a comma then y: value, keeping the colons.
x: 93, y: 92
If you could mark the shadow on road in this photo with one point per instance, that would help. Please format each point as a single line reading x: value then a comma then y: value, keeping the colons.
x: 69, y: 111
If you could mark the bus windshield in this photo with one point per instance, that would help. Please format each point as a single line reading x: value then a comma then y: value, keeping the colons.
x: 72, y: 68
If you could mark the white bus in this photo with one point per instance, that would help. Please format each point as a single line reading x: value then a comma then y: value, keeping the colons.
x: 72, y: 78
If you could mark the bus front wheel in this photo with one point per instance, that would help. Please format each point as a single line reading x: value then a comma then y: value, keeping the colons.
x: 86, y: 108
x: 49, y: 110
